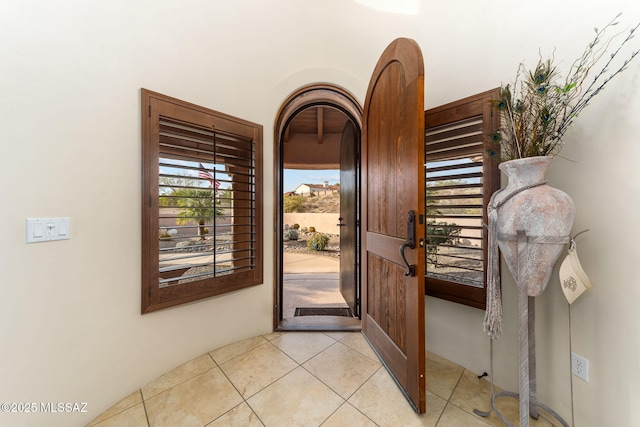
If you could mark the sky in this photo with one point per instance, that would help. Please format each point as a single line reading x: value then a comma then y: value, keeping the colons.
x: 294, y: 177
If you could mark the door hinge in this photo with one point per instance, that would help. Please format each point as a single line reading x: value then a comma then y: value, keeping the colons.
x: 421, y: 218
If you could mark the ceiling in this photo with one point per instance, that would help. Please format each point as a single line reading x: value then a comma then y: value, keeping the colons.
x: 312, y: 139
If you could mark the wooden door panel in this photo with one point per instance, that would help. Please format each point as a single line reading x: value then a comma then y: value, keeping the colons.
x: 393, y: 185
x: 393, y: 356
x: 382, y: 122
x: 348, y: 217
x: 386, y: 302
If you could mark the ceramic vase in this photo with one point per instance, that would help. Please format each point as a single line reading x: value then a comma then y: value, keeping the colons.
x: 545, y: 213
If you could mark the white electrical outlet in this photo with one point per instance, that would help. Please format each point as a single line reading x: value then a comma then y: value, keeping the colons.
x: 580, y: 367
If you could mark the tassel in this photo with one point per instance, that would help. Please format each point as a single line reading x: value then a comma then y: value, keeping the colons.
x: 493, y: 313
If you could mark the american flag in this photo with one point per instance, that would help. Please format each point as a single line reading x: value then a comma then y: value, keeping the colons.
x: 203, y: 173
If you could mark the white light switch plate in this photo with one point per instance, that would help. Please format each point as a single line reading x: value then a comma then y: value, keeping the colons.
x: 47, y: 229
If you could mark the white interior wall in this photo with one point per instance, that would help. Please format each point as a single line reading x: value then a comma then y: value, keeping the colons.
x: 70, y: 105
x: 69, y: 98
x: 599, y: 171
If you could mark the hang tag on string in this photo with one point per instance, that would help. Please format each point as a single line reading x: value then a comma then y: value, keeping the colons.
x: 573, y: 280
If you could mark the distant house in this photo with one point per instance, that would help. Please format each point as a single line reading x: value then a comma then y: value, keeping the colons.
x: 316, y: 189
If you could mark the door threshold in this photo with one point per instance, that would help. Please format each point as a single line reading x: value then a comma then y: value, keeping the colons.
x: 320, y: 323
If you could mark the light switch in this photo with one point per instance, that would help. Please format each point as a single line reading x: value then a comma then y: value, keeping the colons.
x: 37, y: 230
x: 62, y: 227
x: 47, y: 229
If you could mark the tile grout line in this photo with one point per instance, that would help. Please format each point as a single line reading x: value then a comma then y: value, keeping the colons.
x: 181, y: 382
x: 241, y: 396
x: 266, y: 341
x: 362, y: 385
x: 216, y: 365
x: 462, y: 409
x: 345, y: 401
x: 284, y: 375
x: 144, y: 406
x: 376, y: 359
x: 448, y: 400
x: 322, y: 382
x: 94, y: 424
x: 457, y: 384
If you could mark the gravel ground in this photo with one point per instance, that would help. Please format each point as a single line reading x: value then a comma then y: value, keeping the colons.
x: 300, y: 246
x: 295, y: 246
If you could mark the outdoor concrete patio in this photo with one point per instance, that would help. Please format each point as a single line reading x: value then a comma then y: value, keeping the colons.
x: 313, y: 281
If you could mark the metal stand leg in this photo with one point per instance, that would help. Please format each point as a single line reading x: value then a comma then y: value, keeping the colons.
x: 533, y: 409
x: 523, y: 329
x: 527, y: 352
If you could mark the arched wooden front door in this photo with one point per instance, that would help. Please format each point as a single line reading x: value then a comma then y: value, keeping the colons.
x: 392, y: 187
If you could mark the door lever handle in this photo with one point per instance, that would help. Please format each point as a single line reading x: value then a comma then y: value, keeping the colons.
x: 410, y: 243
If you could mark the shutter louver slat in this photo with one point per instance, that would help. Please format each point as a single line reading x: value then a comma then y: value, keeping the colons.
x: 454, y: 174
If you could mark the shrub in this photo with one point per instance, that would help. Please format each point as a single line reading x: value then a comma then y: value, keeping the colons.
x: 292, y: 204
x: 291, y: 234
x: 318, y: 242
x: 295, y: 226
x: 312, y: 229
x: 165, y: 236
x: 441, y: 233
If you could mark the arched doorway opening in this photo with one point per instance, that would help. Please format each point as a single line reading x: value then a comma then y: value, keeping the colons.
x: 317, y: 129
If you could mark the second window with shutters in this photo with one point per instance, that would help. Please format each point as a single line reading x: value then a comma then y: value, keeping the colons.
x: 201, y: 202
x: 461, y: 174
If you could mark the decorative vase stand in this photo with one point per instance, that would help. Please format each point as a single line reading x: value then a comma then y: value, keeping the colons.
x: 527, y: 340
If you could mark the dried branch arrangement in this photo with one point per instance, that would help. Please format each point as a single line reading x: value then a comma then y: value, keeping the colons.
x: 539, y: 106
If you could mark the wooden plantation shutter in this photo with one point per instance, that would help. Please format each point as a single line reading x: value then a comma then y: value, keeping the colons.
x: 202, y: 203
x: 460, y: 178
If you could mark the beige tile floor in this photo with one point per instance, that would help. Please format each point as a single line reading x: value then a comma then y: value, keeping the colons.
x: 296, y: 379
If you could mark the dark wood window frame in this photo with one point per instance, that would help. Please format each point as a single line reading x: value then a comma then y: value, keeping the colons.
x: 476, y: 109
x: 187, y: 143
